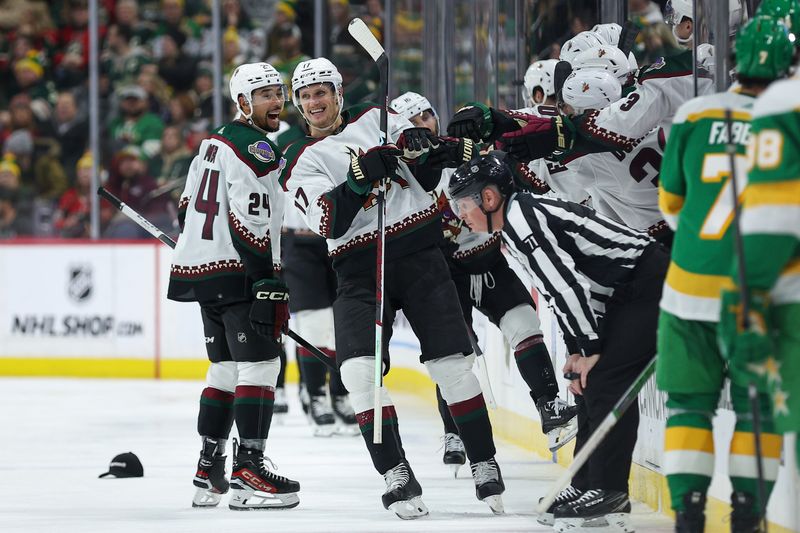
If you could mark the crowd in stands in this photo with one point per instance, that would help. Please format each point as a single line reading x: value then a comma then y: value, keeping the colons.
x: 156, y: 98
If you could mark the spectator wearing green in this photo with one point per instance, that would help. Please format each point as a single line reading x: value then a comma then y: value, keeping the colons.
x: 135, y: 125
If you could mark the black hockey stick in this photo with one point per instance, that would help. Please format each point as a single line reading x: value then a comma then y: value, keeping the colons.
x: 163, y: 237
x: 744, y: 294
x: 627, y: 38
x: 598, y: 435
x: 364, y: 37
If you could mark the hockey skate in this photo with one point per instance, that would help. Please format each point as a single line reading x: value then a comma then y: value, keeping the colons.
x: 693, y: 518
x: 403, y: 494
x: 743, y: 518
x: 210, y: 477
x: 304, y: 398
x: 605, y: 511
x: 254, y: 486
x: 321, y: 416
x: 567, y: 495
x: 489, y: 484
x: 559, y: 422
x: 346, y: 423
x: 454, y: 455
x: 280, y: 407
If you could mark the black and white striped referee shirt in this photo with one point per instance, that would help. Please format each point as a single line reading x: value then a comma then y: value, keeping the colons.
x: 576, y: 258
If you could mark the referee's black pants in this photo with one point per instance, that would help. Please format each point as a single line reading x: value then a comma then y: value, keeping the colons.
x: 629, y: 343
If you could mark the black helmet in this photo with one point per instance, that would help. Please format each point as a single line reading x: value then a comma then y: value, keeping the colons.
x: 472, y: 177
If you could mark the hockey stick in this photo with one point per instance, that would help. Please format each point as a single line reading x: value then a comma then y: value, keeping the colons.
x: 364, y: 37
x: 481, y: 362
x: 744, y: 294
x: 598, y: 435
x: 163, y: 237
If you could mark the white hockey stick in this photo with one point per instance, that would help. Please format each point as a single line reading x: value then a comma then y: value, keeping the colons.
x: 363, y: 36
x: 597, y: 437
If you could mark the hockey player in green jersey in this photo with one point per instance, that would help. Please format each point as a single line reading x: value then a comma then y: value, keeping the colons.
x: 770, y: 226
x: 696, y: 199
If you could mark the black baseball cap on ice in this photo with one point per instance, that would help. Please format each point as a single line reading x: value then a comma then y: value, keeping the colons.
x: 124, y: 465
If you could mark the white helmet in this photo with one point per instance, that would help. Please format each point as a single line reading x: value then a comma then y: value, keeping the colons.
x: 251, y: 76
x: 313, y: 71
x: 609, y: 33
x: 608, y: 58
x: 583, y: 41
x: 591, y: 89
x: 411, y: 104
x: 540, y: 74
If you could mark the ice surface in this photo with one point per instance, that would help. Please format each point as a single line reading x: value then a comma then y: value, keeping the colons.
x: 60, y: 434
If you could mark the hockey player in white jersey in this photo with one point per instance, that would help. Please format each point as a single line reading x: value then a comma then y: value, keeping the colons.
x: 623, y: 184
x: 485, y: 281
x: 332, y: 175
x: 228, y: 260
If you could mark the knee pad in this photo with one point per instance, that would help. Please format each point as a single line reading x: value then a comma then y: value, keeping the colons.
x: 261, y: 374
x: 520, y: 323
x: 222, y: 376
x: 357, y: 376
x: 316, y: 326
x: 454, y: 376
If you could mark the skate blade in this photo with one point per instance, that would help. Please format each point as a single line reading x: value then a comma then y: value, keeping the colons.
x: 610, y: 523
x: 206, y: 498
x: 347, y: 430
x: 560, y: 436
x: 454, y: 468
x: 409, y: 509
x: 546, y: 519
x: 495, y: 503
x: 251, y: 500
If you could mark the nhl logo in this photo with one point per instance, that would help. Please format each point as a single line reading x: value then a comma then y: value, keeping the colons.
x: 79, y: 286
x: 241, y: 337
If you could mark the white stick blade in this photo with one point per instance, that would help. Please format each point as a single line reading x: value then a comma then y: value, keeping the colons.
x: 361, y: 33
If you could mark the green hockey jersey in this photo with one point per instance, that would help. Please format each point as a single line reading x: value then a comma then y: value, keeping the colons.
x: 771, y: 210
x: 696, y: 198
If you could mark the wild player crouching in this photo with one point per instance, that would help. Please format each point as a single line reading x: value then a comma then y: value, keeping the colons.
x: 603, y: 282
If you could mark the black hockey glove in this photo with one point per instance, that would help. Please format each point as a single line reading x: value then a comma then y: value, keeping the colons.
x: 480, y: 123
x: 377, y: 163
x: 540, y: 137
x: 269, y: 312
x: 452, y: 152
x: 416, y: 144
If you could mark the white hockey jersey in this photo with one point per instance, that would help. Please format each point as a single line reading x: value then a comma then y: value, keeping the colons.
x: 662, y: 87
x: 315, y: 178
x: 231, y: 211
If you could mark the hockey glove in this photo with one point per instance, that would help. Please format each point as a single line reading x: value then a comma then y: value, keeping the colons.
x: 269, y: 312
x: 416, y: 144
x: 375, y: 164
x: 481, y: 123
x: 540, y: 137
x: 747, y: 350
x: 452, y: 152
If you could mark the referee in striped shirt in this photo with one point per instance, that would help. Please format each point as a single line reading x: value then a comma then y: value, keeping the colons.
x: 603, y: 281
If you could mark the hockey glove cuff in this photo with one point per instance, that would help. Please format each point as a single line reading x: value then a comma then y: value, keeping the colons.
x: 269, y: 312
x: 375, y: 164
x: 748, y: 351
x: 540, y: 137
x: 416, y: 144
